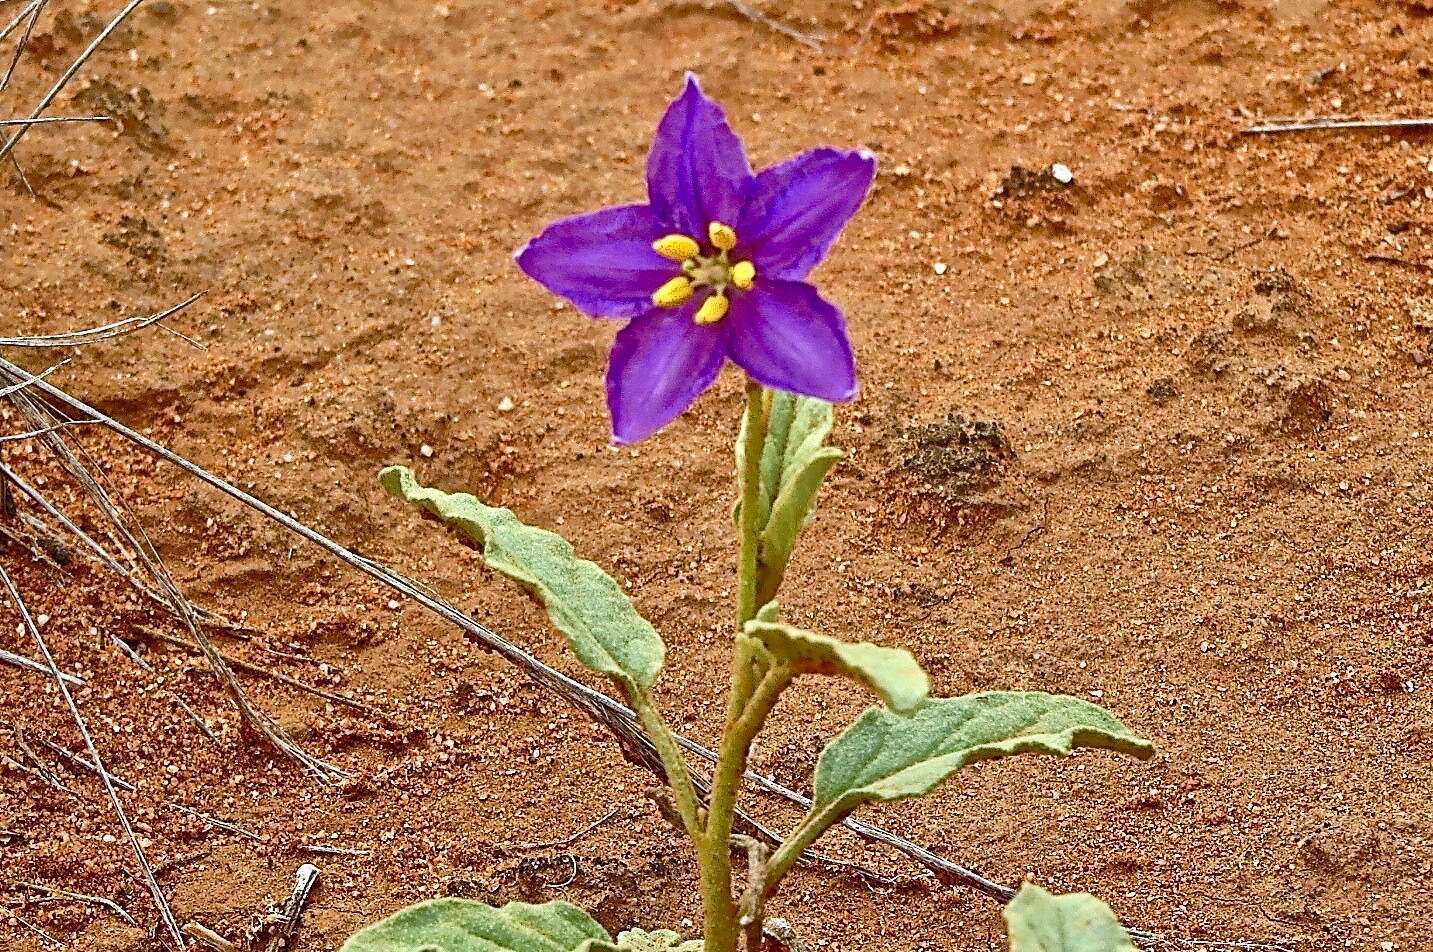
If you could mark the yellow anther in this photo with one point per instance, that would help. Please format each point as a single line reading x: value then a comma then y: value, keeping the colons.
x: 743, y: 274
x: 674, y: 293
x: 713, y: 309
x: 676, y: 247
x: 723, y: 236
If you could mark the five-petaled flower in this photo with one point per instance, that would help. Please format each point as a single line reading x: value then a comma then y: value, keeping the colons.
x: 713, y: 267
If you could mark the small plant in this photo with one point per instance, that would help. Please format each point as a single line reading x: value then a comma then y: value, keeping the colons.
x: 713, y: 268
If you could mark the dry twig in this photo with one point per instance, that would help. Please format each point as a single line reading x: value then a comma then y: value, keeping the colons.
x: 91, y: 335
x: 217, y: 823
x: 156, y: 892
x: 79, y: 761
x: 771, y: 23
x: 207, y: 936
x: 20, y: 661
x: 1309, y: 125
x: 570, y: 838
x: 238, y: 664
x: 1400, y: 262
x: 109, y: 904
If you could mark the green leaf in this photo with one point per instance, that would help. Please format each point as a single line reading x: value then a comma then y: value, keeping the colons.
x: 583, y: 601
x: 463, y: 925
x: 886, y: 756
x: 639, y: 940
x: 794, y: 462
x: 1042, y: 922
x: 893, y: 673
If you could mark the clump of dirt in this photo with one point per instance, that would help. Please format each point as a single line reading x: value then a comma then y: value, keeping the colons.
x: 950, y: 469
x: 1037, y: 197
x: 135, y: 111
x: 136, y: 235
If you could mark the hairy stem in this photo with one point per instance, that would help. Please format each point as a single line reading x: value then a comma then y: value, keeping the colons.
x: 720, y: 929
x: 747, y: 568
x: 808, y: 831
x: 731, y: 764
x: 678, y: 776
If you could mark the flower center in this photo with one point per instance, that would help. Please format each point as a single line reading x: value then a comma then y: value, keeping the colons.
x: 716, y: 271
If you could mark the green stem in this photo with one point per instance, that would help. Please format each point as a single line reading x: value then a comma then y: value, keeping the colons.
x: 678, y: 776
x: 808, y: 831
x: 720, y: 929
x: 755, y: 436
x: 721, y: 812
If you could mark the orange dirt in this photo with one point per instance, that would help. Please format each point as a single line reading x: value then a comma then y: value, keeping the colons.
x: 1161, y: 438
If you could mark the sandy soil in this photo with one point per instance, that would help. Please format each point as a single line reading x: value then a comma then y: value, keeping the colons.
x: 1161, y: 438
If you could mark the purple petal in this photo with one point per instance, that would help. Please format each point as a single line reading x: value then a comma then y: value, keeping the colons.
x: 660, y: 363
x: 795, y: 210
x: 786, y: 336
x: 697, y: 171
x: 603, y: 262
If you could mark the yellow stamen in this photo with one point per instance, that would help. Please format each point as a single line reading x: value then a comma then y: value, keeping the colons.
x: 713, y: 309
x: 723, y: 236
x: 676, y: 247
x: 674, y: 293
x: 743, y: 274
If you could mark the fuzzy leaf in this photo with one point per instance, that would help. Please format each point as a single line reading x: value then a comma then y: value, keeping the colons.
x: 463, y: 925
x: 583, y: 601
x: 639, y: 940
x: 794, y: 462
x: 1042, y: 922
x: 886, y: 756
x: 893, y: 673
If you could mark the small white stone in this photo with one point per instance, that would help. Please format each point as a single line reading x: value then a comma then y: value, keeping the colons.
x: 1061, y: 173
x: 939, y: 267
x: 1101, y: 260
x: 426, y: 450
x: 505, y: 405
x: 393, y: 604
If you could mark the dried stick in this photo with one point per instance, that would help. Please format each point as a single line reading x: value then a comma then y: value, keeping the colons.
x: 38, y: 766
x: 98, y: 552
x: 79, y: 761
x: 571, y: 837
x: 616, y: 717
x: 304, y: 880
x: 24, y: 42
x: 45, y: 937
x: 42, y: 431
x: 207, y: 936
x: 42, y: 121
x: 217, y: 823
x: 17, y: 387
x: 20, y: 661
x: 159, y: 899
x: 92, y: 335
x: 1400, y: 262
x: 239, y: 664
x: 69, y: 74
x: 109, y: 904
x: 29, y: 8
x: 1307, y: 125
x: 771, y: 23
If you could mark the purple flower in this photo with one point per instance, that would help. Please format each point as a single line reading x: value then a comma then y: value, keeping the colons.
x: 712, y: 268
